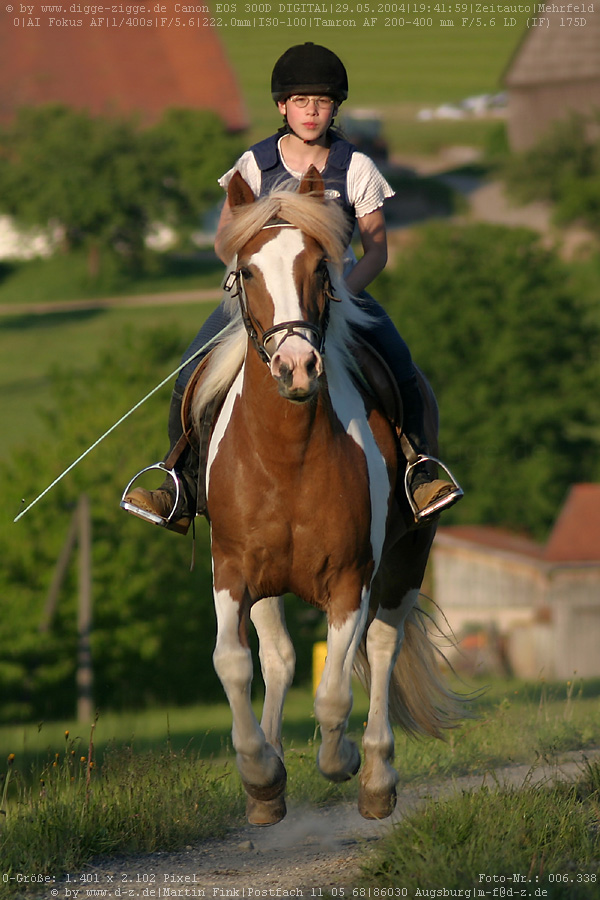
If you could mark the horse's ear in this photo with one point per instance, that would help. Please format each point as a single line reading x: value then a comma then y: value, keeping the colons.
x: 239, y: 191
x: 312, y: 183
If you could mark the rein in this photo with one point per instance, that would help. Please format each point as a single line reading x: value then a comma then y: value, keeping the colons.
x: 234, y: 284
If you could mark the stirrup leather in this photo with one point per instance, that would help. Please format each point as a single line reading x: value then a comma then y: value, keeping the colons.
x: 145, y: 513
x: 423, y: 515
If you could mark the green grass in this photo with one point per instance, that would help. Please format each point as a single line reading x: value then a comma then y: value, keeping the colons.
x: 77, y: 810
x: 513, y: 722
x: 536, y: 841
x: 203, y: 730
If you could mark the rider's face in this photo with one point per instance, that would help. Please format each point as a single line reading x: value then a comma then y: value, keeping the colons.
x: 310, y: 122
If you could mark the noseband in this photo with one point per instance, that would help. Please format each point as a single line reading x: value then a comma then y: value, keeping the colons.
x: 259, y: 336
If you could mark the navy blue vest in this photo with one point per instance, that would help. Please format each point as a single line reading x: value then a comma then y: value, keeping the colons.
x: 274, y: 173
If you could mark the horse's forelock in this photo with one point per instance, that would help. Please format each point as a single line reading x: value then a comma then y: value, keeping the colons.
x: 324, y: 222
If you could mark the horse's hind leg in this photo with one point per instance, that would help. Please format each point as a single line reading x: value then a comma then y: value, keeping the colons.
x: 339, y: 757
x: 377, y: 794
x: 263, y: 773
x: 278, y: 662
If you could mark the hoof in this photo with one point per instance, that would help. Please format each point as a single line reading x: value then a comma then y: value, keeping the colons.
x: 376, y: 806
x: 345, y: 774
x: 271, y: 791
x: 265, y: 812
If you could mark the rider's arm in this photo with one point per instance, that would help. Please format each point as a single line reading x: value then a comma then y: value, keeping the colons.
x: 374, y: 242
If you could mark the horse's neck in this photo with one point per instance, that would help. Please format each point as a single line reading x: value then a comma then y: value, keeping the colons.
x: 265, y: 411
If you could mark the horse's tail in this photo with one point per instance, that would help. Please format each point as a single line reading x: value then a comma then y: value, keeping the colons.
x: 420, y: 702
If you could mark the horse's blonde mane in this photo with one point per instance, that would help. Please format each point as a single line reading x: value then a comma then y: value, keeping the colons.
x: 327, y: 224
x: 324, y: 221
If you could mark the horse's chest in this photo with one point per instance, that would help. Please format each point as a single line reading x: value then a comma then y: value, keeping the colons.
x: 293, y: 514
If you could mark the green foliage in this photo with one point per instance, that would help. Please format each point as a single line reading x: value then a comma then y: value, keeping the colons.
x: 105, y: 181
x: 192, y: 151
x: 512, y: 353
x: 564, y: 169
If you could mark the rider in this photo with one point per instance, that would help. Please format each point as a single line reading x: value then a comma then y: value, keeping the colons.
x: 308, y: 84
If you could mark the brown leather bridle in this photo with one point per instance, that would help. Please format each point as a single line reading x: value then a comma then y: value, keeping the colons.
x: 259, y: 336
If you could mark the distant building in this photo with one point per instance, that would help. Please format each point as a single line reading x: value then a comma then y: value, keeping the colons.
x: 554, y: 70
x: 140, y: 70
x: 538, y: 604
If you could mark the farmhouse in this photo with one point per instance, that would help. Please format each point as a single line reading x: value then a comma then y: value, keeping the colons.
x: 555, y: 70
x: 141, y: 70
x: 539, y: 604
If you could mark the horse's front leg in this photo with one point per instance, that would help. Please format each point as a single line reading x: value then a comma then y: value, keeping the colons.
x: 378, y: 778
x: 339, y: 757
x: 278, y: 662
x: 262, y: 770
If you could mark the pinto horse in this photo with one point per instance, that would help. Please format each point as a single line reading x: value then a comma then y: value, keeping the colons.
x: 300, y: 483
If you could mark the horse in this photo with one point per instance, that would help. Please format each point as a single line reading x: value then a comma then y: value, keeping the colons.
x: 300, y: 477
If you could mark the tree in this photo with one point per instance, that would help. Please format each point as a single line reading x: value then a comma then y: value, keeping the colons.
x: 564, y: 169
x: 511, y: 351
x: 105, y: 181
x: 191, y: 151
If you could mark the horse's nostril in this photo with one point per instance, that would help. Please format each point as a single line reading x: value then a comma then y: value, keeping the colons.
x: 285, y: 375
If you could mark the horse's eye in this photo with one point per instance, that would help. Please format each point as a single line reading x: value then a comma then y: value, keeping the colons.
x: 246, y: 273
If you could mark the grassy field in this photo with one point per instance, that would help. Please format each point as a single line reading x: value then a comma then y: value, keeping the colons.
x: 511, y: 722
x: 60, y: 810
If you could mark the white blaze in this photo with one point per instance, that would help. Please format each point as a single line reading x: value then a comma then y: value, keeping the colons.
x: 275, y: 260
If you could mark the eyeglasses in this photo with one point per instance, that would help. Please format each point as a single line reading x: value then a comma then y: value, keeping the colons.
x: 302, y: 101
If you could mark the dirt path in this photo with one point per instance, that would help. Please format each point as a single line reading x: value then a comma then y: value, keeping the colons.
x: 312, y: 853
x: 169, y: 297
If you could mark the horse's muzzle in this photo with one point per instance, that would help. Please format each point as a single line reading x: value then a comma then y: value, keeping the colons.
x: 296, y: 367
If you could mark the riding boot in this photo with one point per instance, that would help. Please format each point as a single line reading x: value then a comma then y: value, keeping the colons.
x: 161, y: 502
x: 429, y: 495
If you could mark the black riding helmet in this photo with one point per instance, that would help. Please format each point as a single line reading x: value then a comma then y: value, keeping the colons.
x: 309, y: 69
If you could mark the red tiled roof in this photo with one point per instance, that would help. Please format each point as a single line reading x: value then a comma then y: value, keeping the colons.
x: 576, y: 533
x: 118, y: 70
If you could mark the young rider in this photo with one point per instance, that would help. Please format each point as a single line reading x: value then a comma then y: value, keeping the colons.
x: 308, y: 84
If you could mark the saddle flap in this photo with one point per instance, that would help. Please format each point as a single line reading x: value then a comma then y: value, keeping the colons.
x: 377, y: 378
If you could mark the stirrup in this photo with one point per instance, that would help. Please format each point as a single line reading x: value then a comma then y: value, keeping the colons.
x: 424, y: 515
x: 145, y: 513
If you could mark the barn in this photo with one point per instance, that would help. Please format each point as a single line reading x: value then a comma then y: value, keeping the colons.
x: 539, y: 604
x: 554, y: 70
x: 127, y: 70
